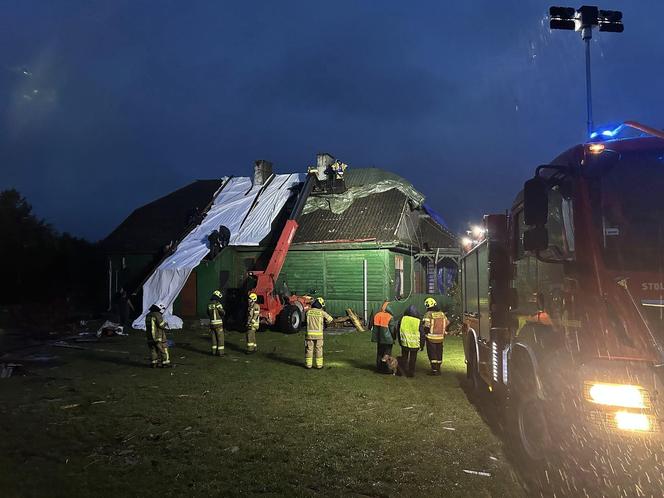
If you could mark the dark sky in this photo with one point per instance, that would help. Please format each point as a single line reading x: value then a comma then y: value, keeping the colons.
x: 125, y: 101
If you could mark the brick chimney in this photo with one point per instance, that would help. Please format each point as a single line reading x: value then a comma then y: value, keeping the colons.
x: 262, y: 171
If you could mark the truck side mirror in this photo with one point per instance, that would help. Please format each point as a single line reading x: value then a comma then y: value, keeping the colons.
x: 536, y: 239
x: 535, y: 202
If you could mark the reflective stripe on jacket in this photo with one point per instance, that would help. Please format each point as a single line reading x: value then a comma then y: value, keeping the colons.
x: 215, y: 311
x: 409, y: 332
x: 254, y: 316
x: 315, y: 319
x: 434, y: 323
x: 154, y: 326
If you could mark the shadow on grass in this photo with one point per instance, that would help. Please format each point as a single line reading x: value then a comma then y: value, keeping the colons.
x: 274, y: 356
x: 186, y: 346
x: 362, y: 365
x: 119, y: 360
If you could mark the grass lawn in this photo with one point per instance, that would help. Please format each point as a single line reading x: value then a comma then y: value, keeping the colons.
x: 243, y: 425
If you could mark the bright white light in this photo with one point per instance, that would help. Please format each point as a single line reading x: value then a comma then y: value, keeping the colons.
x: 477, y: 231
x: 628, y: 421
x: 616, y: 395
x: 466, y: 242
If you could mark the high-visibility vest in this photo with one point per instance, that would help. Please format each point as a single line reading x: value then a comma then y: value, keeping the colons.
x: 409, y: 332
x: 382, y: 319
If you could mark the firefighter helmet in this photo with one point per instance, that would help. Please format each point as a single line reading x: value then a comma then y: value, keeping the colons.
x: 321, y: 301
x: 217, y: 293
x: 253, y: 297
x: 430, y: 302
x: 162, y: 307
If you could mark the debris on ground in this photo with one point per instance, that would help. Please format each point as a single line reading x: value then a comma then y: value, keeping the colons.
x: 449, y: 428
x: 109, y: 329
x: 355, y: 320
x: 67, y: 407
x: 477, y: 472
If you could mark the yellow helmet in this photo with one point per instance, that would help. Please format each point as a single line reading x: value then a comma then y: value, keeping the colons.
x: 217, y: 293
x: 321, y: 301
x: 430, y: 302
x: 253, y: 296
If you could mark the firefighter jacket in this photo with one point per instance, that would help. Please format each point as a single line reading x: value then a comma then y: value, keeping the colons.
x: 315, y: 319
x: 409, y: 332
x: 253, y: 316
x: 216, y: 313
x: 154, y: 327
x: 434, y: 323
x: 383, y: 328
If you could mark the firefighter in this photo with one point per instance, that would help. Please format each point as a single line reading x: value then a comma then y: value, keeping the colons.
x: 216, y: 313
x: 434, y: 324
x: 155, y: 328
x: 383, y: 333
x: 410, y: 339
x: 253, y: 322
x: 313, y: 342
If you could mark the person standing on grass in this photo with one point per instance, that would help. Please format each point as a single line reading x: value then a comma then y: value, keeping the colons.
x: 434, y: 323
x: 409, y: 339
x: 216, y: 313
x: 317, y: 317
x: 383, y: 333
x: 253, y: 322
x: 155, y: 328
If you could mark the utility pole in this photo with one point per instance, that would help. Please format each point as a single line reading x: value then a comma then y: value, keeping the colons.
x: 584, y: 19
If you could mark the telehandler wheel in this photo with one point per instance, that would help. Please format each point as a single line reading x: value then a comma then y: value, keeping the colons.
x: 290, y: 319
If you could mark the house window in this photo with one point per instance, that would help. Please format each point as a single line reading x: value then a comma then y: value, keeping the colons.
x: 398, y: 275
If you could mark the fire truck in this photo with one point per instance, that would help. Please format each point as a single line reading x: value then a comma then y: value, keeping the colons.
x: 563, y: 300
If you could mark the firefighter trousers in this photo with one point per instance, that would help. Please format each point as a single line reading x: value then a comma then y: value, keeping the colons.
x: 159, y: 352
x: 313, y: 353
x: 251, y: 339
x: 435, y: 353
x: 217, y: 334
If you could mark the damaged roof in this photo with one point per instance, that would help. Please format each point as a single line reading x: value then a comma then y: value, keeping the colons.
x: 149, y: 228
x: 374, y: 217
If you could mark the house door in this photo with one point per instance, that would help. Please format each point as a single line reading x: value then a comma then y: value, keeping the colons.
x: 188, y: 297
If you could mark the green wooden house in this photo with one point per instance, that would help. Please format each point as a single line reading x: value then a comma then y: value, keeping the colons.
x: 376, y: 241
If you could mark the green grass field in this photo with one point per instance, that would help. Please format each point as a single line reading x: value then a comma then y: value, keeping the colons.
x: 243, y: 425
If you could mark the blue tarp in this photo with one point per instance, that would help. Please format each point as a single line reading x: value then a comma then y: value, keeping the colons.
x: 434, y: 215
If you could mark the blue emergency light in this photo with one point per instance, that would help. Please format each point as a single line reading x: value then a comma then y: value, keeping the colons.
x: 607, y: 132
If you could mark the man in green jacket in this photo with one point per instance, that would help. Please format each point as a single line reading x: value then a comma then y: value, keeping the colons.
x: 155, y: 329
x: 383, y: 332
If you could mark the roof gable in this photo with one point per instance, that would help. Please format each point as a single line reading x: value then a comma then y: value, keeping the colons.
x: 149, y: 228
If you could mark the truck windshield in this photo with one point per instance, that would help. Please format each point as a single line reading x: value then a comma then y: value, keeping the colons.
x: 628, y: 209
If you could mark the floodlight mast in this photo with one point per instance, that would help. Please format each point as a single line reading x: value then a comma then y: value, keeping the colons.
x: 584, y: 19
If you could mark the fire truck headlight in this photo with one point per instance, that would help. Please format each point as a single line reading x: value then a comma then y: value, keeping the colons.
x: 629, y: 421
x: 624, y: 395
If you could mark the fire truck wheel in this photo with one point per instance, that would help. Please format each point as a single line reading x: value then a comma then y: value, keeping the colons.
x: 473, y: 374
x: 533, y: 427
x: 291, y: 320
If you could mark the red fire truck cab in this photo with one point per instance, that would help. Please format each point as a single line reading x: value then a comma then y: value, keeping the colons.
x: 564, y: 298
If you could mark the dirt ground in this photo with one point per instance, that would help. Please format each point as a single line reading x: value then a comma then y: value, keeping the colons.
x: 98, y: 422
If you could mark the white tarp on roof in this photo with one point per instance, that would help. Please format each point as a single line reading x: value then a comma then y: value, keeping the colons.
x: 247, y: 210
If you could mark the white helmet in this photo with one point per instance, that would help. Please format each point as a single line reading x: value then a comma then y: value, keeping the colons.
x: 162, y: 307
